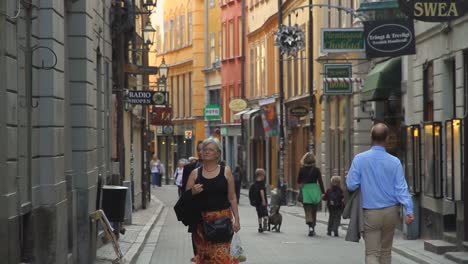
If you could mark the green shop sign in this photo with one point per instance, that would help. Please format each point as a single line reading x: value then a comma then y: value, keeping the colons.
x: 212, y: 111
x: 342, y: 40
x: 337, y: 79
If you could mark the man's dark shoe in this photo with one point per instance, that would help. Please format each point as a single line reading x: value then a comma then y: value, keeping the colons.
x: 328, y: 233
x: 336, y: 233
x: 260, y: 230
x: 311, y: 233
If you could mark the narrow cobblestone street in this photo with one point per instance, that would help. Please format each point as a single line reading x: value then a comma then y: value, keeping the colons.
x: 292, y: 245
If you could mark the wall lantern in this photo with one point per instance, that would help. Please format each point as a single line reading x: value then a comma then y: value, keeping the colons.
x: 413, y: 158
x: 433, y: 160
x: 148, y: 33
x: 452, y: 180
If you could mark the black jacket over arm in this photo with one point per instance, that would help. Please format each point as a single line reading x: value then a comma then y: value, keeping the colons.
x: 186, y: 173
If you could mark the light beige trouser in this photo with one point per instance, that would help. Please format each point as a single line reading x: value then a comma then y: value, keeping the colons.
x: 379, y: 228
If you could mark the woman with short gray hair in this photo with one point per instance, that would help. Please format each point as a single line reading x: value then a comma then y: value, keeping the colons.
x: 212, y: 185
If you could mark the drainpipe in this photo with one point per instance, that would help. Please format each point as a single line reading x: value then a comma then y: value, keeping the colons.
x: 207, y: 52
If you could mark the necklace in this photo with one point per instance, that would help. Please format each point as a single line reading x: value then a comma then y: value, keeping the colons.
x: 210, y: 170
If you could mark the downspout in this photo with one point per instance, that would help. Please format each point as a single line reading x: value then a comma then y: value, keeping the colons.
x: 207, y: 92
x: 241, y: 150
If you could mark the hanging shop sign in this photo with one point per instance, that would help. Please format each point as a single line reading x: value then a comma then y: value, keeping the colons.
x: 161, y: 116
x: 337, y: 71
x: 212, y: 111
x: 140, y: 69
x: 269, y: 119
x: 158, y: 98
x: 342, y: 40
x: 434, y: 10
x: 237, y: 104
x: 391, y: 38
x: 299, y: 111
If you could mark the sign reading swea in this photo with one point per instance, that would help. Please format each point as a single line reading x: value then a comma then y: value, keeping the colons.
x: 434, y: 10
x: 389, y: 38
x: 147, y: 97
x: 342, y: 39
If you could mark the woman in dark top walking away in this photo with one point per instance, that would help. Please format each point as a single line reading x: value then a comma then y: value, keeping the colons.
x: 212, y: 185
x: 311, y: 185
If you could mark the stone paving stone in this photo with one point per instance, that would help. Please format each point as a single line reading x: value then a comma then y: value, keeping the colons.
x: 291, y: 245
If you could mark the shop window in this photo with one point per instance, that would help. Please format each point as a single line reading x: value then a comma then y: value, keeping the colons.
x: 413, y: 158
x: 428, y: 91
x: 433, y: 160
x: 452, y: 180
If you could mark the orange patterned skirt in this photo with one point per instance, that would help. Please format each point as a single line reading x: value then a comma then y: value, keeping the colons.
x: 210, y: 252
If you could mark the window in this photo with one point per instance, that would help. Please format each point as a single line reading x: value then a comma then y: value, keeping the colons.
x: 252, y: 71
x: 189, y: 27
x: 190, y: 93
x: 172, y: 34
x: 224, y: 45
x: 182, y: 31
x: 240, y: 36
x: 166, y: 36
x: 180, y: 92
x: 220, y: 45
x: 428, y: 91
x: 177, y: 42
x: 231, y: 38
x: 212, y: 3
x: 433, y: 160
x: 212, y: 48
x: 413, y: 158
x: 215, y: 97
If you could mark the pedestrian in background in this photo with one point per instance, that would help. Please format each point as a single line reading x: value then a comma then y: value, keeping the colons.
x: 311, y: 185
x: 237, y: 181
x: 212, y: 185
x: 156, y: 171
x: 380, y: 178
x: 178, y: 175
x: 335, y: 201
x: 260, y: 199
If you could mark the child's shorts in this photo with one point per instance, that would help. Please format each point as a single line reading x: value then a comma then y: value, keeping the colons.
x: 261, y: 211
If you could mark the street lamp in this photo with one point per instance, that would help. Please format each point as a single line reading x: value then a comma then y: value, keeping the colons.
x: 163, y: 69
x: 149, y: 5
x: 148, y: 33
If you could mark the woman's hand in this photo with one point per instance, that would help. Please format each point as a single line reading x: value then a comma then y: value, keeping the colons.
x: 236, y: 226
x: 197, y: 188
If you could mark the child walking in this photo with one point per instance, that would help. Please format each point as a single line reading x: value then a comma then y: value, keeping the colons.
x: 335, y: 200
x: 259, y: 194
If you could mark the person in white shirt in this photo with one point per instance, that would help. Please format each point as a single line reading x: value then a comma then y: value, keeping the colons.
x: 178, y: 175
x: 156, y: 171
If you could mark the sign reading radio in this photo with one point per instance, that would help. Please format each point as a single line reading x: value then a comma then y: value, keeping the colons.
x: 434, y: 10
x: 391, y: 38
x: 147, y: 97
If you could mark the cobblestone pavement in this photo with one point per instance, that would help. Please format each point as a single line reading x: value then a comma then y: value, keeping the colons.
x: 292, y: 245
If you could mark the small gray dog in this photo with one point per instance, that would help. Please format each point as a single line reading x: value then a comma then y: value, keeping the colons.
x: 275, y: 219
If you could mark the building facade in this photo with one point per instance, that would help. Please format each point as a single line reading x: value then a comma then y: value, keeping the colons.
x: 56, y: 62
x: 232, y: 79
x: 183, y: 50
x: 435, y: 107
x: 261, y: 90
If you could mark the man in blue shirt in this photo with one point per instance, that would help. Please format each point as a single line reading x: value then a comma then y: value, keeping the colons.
x: 380, y: 177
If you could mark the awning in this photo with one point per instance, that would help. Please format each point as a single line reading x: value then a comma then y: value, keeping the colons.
x: 342, y: 79
x: 249, y: 113
x: 382, y: 81
x: 238, y: 114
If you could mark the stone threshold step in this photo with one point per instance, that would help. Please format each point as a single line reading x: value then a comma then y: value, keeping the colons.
x: 439, y: 246
x: 458, y: 257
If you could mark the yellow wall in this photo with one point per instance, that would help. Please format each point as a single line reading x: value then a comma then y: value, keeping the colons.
x: 185, y: 59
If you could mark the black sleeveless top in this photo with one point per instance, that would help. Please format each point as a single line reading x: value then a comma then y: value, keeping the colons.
x: 214, y: 196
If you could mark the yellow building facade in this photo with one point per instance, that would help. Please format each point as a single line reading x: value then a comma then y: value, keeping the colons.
x: 181, y: 45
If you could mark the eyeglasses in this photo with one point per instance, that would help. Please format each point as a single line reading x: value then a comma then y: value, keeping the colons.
x: 209, y: 149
